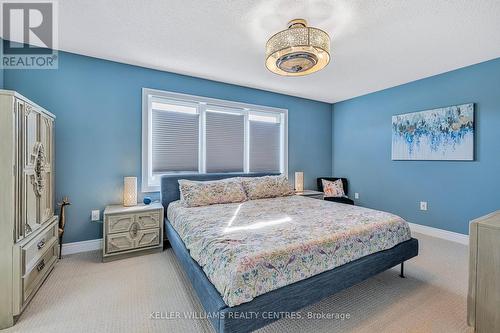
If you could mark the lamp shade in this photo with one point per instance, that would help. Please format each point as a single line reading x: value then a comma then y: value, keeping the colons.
x: 299, y: 181
x: 130, y: 191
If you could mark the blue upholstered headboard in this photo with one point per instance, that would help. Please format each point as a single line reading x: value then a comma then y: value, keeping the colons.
x: 170, y: 186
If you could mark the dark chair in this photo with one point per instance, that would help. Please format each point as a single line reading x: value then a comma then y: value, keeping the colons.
x: 339, y: 199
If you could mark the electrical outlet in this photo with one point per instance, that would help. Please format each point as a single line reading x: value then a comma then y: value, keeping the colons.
x: 356, y: 195
x: 423, y: 205
x: 96, y: 214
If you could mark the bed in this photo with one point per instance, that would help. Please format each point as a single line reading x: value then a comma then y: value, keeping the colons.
x: 255, y: 262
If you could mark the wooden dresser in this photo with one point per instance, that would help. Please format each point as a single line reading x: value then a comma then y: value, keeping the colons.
x: 28, y: 227
x: 132, y: 230
x: 483, y: 301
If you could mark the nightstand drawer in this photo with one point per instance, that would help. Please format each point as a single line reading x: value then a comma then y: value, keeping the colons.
x: 148, y: 220
x: 120, y: 242
x: 149, y: 237
x: 123, y: 223
x: 132, y: 240
x: 120, y: 223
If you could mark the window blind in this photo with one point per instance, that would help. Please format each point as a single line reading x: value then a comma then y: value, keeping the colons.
x: 175, y: 139
x: 225, y: 142
x: 264, y: 146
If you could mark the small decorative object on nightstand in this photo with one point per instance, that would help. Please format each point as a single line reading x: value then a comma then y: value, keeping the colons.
x: 310, y: 194
x: 299, y: 181
x: 147, y: 200
x: 129, y: 231
x: 129, y: 191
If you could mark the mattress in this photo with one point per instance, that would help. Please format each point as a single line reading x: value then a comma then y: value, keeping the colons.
x: 250, y: 248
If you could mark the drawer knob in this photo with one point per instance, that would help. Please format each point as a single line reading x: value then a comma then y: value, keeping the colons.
x: 40, y: 265
x: 41, y: 244
x: 133, y: 230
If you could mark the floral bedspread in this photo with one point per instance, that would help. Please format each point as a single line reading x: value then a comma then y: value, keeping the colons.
x: 250, y: 248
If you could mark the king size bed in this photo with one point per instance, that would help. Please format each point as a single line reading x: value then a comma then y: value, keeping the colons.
x: 255, y: 261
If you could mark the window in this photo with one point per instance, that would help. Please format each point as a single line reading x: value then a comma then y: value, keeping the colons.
x: 174, y: 137
x: 265, y: 143
x: 189, y: 134
x: 224, y: 141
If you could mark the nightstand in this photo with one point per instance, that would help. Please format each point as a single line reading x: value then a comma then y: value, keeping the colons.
x: 311, y: 194
x: 130, y: 231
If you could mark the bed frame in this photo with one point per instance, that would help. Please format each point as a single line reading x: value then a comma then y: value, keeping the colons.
x: 273, y: 305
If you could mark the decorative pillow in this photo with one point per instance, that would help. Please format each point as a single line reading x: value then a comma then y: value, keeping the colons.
x: 204, y: 193
x: 266, y: 187
x: 333, y: 189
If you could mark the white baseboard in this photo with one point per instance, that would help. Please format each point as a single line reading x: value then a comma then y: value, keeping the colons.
x: 440, y: 233
x: 83, y: 246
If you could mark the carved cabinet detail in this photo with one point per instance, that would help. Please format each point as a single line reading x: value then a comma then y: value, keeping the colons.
x: 130, y: 230
x: 37, y: 177
x: 28, y: 227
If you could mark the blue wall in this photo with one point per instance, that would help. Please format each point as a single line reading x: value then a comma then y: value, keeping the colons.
x: 456, y: 192
x: 98, y: 137
x: 98, y: 127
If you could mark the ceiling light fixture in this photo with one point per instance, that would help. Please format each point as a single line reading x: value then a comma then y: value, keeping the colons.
x: 298, y: 50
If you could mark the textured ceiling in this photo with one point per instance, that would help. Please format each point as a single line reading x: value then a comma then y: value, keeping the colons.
x: 376, y: 44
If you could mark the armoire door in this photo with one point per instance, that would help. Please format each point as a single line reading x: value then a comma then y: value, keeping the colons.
x: 31, y: 159
x: 46, y: 195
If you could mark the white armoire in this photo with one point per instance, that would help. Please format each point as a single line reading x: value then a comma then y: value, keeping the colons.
x: 28, y: 226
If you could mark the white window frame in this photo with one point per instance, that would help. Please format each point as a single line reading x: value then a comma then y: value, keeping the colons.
x: 149, y: 183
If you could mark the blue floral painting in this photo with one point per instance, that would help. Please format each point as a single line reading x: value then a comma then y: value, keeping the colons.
x: 439, y: 134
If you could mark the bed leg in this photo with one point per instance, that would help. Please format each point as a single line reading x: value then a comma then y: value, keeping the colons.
x: 402, y: 274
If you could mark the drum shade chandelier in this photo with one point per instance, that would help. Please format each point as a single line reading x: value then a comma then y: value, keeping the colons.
x: 298, y: 50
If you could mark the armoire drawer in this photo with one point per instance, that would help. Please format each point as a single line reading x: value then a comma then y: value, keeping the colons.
x: 32, y: 251
x: 34, y: 278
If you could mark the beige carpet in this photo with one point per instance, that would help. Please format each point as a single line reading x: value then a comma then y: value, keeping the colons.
x: 85, y: 295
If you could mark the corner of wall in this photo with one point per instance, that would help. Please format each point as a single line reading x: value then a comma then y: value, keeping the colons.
x: 331, y: 108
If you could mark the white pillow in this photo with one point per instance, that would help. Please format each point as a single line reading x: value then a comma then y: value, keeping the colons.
x: 333, y: 189
x: 204, y: 193
x: 266, y: 187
